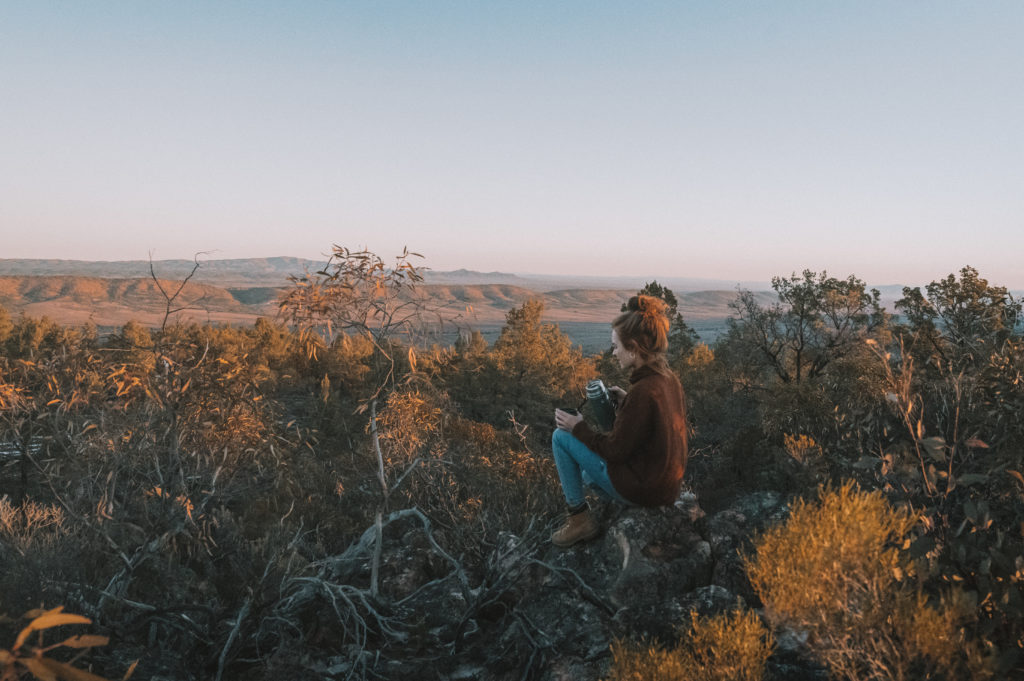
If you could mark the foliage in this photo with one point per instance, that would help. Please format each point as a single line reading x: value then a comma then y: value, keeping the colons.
x: 33, y: 658
x: 532, y: 368
x: 838, y: 569
x: 817, y: 320
x: 727, y: 647
x: 214, y: 495
x: 6, y: 325
x: 953, y: 451
x: 961, y: 320
x: 356, y: 293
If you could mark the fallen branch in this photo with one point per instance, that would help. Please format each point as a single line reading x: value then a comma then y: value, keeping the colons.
x: 242, y: 614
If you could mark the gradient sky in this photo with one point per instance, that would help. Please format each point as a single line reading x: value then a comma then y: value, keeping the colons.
x: 722, y: 139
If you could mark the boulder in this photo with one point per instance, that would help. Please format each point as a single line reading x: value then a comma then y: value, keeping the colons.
x: 730, y: 533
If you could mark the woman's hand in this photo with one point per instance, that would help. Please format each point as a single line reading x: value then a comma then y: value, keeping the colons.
x: 565, y: 420
x: 619, y: 395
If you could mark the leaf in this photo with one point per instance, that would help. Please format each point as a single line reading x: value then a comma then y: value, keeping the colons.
x: 38, y: 669
x: 936, y: 448
x: 54, y: 618
x: 412, y: 359
x: 131, y: 670
x: 66, y: 672
x: 1017, y: 475
x: 975, y: 443
x: 972, y: 479
x: 85, y: 641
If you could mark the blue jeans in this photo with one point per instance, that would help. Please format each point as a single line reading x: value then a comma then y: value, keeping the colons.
x: 578, y: 465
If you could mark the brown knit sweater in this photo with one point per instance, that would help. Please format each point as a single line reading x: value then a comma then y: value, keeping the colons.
x: 646, y: 449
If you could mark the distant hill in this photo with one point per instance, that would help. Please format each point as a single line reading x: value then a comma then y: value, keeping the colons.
x: 263, y: 272
x: 110, y: 302
x: 238, y: 291
x: 236, y: 272
x: 139, y: 292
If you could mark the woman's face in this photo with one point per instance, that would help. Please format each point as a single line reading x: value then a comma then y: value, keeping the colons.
x: 627, y: 359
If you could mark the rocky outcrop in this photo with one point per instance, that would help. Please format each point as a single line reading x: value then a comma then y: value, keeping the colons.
x: 553, y: 613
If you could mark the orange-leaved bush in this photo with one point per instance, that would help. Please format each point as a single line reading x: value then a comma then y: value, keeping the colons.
x: 838, y: 570
x: 725, y: 647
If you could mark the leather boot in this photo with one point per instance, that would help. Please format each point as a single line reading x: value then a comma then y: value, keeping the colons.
x: 578, y: 527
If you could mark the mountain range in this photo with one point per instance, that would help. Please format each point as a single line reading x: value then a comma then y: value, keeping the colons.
x: 239, y: 291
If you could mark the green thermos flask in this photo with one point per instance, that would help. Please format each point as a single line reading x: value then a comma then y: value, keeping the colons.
x: 602, y: 409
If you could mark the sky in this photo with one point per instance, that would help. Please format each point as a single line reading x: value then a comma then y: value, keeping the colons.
x: 720, y: 139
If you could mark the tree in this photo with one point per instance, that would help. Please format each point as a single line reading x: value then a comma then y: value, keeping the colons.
x: 531, y: 368
x: 817, y: 320
x: 537, y: 363
x: 357, y: 293
x: 961, y: 320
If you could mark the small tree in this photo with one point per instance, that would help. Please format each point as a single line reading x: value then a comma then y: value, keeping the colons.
x: 537, y: 365
x: 357, y: 293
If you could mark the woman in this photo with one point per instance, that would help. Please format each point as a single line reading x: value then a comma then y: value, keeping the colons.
x: 641, y: 461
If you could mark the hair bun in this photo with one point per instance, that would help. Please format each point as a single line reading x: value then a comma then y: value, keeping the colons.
x: 644, y: 326
x: 647, y: 306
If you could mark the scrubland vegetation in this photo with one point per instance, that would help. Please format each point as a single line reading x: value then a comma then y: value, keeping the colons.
x: 215, y: 500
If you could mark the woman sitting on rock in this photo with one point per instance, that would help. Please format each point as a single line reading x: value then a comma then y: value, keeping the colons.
x: 641, y: 461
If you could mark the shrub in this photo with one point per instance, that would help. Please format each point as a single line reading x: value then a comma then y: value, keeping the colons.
x: 532, y: 368
x: 38, y: 547
x: 837, y: 569
x: 727, y: 647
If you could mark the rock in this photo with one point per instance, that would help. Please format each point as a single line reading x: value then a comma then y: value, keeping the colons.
x: 561, y: 619
x: 730, y: 534
x: 573, y: 669
x: 789, y: 640
x: 665, y: 621
x: 761, y: 508
x: 662, y: 556
x: 730, y: 574
x: 687, y: 504
x: 552, y: 613
x: 786, y: 668
x: 710, y: 600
